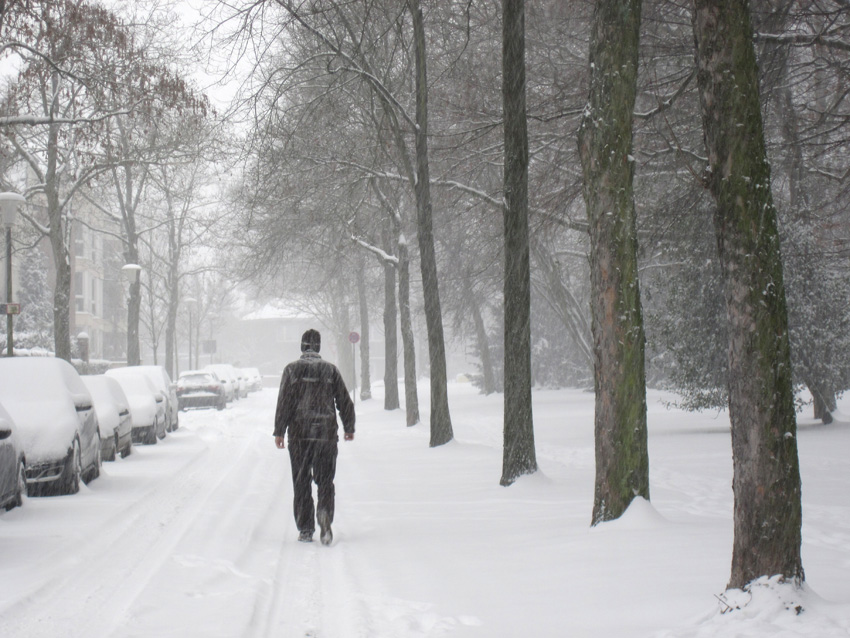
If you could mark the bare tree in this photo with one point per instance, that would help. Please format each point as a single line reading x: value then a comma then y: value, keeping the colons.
x: 66, y: 39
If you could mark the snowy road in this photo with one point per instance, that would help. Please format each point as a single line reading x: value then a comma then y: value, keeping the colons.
x: 191, y: 537
x: 194, y: 537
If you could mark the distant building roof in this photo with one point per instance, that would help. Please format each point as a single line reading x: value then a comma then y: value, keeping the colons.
x: 277, y: 311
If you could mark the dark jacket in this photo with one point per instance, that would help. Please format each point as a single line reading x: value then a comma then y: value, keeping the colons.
x: 311, y: 393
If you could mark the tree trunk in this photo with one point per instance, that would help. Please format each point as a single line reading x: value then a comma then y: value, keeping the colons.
x: 172, y: 347
x: 171, y: 352
x: 441, y: 423
x: 605, y: 146
x: 766, y: 479
x: 62, y: 299
x: 411, y: 394
x: 483, y: 341
x: 519, y: 456
x: 823, y: 400
x: 365, y: 378
x: 134, y: 303
x: 391, y: 400
x: 59, y: 232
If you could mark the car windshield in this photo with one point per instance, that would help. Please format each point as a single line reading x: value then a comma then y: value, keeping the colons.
x: 135, y: 384
x: 40, y: 379
x: 197, y: 379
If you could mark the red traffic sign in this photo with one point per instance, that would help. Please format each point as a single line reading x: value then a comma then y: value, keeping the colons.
x: 354, y: 337
x: 10, y: 308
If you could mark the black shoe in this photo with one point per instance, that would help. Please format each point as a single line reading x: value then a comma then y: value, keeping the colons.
x: 325, y: 524
x: 306, y: 536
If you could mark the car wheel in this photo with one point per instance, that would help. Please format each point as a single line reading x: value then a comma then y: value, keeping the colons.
x: 20, y: 489
x: 74, y: 469
x: 98, y: 461
x: 127, y: 450
x: 113, y: 453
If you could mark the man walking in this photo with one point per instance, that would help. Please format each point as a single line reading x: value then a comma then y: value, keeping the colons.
x: 311, y: 393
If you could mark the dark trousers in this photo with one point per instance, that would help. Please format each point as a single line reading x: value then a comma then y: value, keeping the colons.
x: 312, y: 461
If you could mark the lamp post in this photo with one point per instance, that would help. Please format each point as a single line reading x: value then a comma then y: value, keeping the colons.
x: 131, y: 273
x: 9, y: 203
x: 190, y: 303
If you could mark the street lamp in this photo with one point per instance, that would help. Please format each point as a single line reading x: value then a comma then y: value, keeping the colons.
x: 9, y: 203
x: 190, y: 303
x: 131, y: 273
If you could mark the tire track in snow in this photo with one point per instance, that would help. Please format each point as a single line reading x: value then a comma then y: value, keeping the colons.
x: 91, y: 584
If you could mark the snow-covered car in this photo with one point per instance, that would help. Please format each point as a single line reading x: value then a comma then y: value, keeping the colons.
x: 13, y: 480
x: 227, y: 374
x: 55, y: 421
x: 254, y: 378
x: 147, y: 406
x: 241, y: 382
x: 200, y: 389
x: 113, y: 416
x: 162, y: 382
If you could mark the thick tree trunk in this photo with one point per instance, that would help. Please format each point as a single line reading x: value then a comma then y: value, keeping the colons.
x: 411, y: 393
x: 391, y: 400
x: 766, y: 479
x: 519, y: 456
x: 441, y: 422
x: 605, y: 146
x: 363, y: 301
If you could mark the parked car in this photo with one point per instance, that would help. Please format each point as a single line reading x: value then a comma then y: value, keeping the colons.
x: 55, y: 421
x: 13, y: 466
x: 241, y: 382
x: 255, y: 379
x: 147, y: 406
x: 113, y: 416
x: 227, y: 375
x: 162, y: 382
x: 200, y: 389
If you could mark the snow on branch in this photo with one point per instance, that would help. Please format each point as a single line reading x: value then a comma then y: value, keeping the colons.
x: 805, y: 40
x: 36, y: 120
x: 381, y: 254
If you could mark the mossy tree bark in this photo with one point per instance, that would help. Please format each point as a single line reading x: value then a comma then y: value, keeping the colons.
x: 519, y: 456
x: 766, y: 479
x: 605, y: 146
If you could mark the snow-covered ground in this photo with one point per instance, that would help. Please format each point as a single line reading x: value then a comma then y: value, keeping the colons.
x: 194, y: 537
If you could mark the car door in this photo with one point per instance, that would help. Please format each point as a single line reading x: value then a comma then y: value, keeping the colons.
x: 89, y: 439
x: 8, y: 462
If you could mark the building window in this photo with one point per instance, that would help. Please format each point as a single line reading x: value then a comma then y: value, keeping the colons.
x: 79, y: 241
x: 79, y: 292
